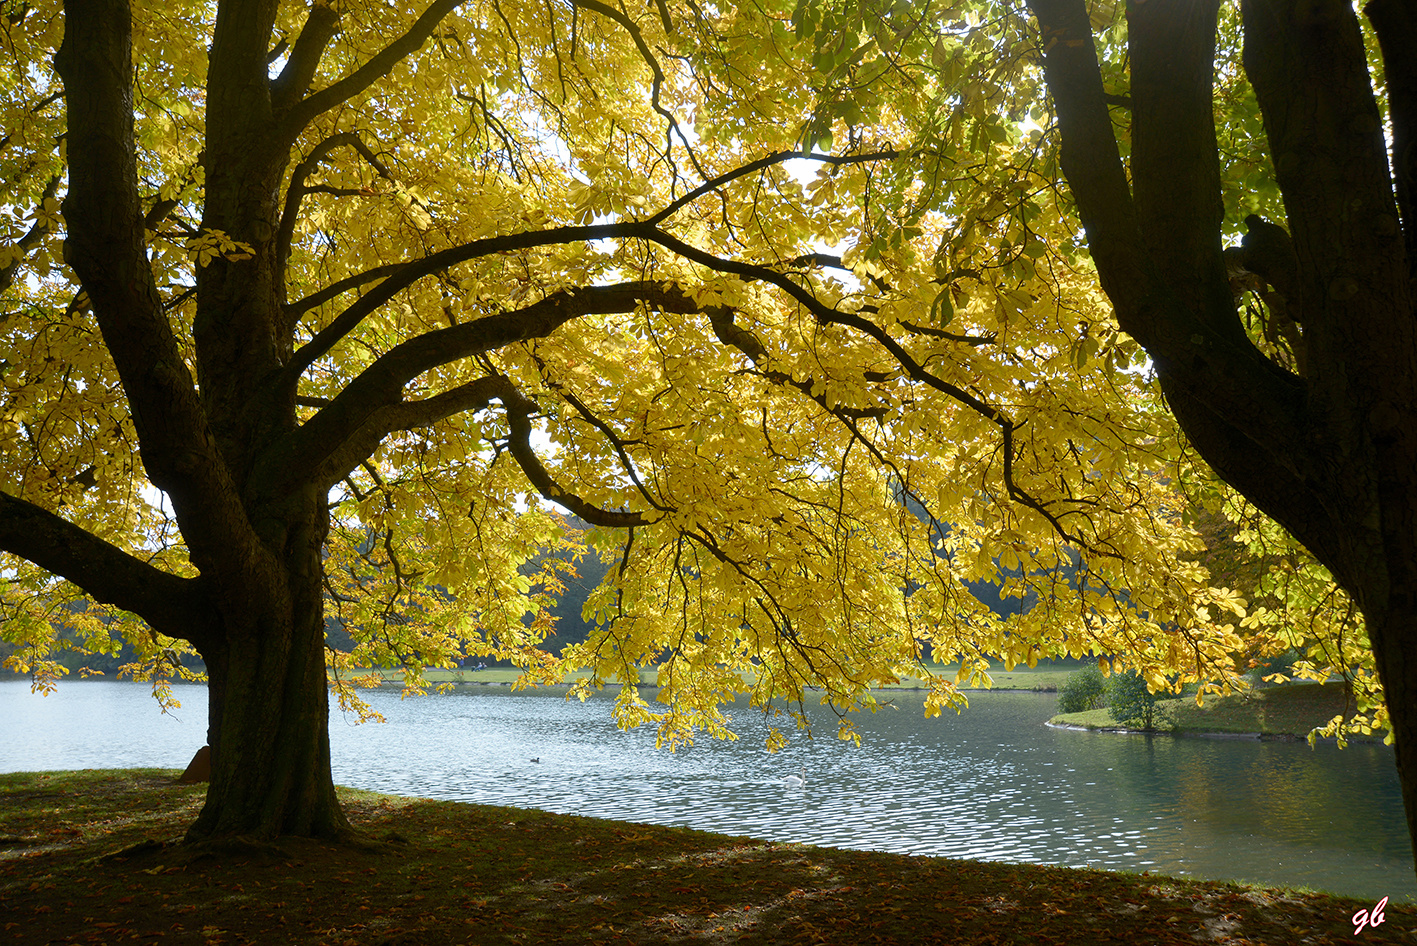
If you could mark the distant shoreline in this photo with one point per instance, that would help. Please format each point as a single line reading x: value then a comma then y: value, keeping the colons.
x: 1191, y: 734
x: 1045, y: 680
x: 1021, y: 679
x: 1286, y: 713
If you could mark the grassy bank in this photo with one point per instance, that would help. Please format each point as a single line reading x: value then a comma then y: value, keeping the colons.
x: 1020, y: 678
x: 458, y: 873
x: 1289, y: 711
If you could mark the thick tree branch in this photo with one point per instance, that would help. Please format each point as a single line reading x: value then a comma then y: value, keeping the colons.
x: 361, y: 443
x: 1175, y: 161
x: 1090, y: 158
x: 409, y: 273
x: 379, y: 385
x: 349, y: 428
x: 171, y: 605
x: 317, y: 103
x: 1330, y: 159
x: 398, y: 277
x: 1325, y: 138
x: 1200, y: 358
x: 106, y: 248
x: 1309, y: 68
x: 294, y: 80
x: 237, y: 68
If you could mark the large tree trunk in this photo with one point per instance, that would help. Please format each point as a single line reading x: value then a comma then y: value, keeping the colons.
x: 1332, y: 455
x: 1394, y: 639
x: 270, y: 743
x: 256, y: 545
x: 269, y: 715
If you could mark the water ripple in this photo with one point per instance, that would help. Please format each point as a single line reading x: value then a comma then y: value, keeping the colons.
x: 992, y: 783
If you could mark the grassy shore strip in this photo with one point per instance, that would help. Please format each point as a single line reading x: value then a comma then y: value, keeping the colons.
x: 1282, y: 712
x: 460, y: 873
x: 1021, y: 678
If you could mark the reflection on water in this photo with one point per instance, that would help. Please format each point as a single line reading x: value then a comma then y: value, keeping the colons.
x: 992, y: 783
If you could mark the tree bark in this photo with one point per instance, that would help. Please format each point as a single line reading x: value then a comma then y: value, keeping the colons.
x: 256, y: 612
x: 269, y: 716
x: 1331, y: 456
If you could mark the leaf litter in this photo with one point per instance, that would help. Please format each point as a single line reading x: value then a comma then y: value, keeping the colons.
x: 93, y: 857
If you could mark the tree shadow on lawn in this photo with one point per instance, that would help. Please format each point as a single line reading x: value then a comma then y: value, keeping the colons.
x: 459, y: 873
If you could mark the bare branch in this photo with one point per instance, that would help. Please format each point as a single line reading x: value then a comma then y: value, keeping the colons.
x: 294, y: 79
x: 425, y: 412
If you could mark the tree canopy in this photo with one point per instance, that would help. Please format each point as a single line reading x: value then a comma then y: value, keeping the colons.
x: 307, y: 308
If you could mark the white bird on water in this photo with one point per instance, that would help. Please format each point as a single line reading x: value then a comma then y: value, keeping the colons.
x: 796, y: 781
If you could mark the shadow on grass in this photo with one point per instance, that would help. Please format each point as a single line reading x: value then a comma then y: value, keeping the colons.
x: 479, y: 874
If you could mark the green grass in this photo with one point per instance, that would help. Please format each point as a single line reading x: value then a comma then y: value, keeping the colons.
x: 72, y: 870
x: 1283, y: 711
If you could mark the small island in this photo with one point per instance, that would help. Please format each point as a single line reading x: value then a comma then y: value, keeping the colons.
x: 1289, y: 711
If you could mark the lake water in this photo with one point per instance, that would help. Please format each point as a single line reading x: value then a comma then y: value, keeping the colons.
x: 992, y: 783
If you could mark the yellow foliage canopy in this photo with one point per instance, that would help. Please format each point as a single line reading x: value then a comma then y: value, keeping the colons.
x: 817, y: 361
